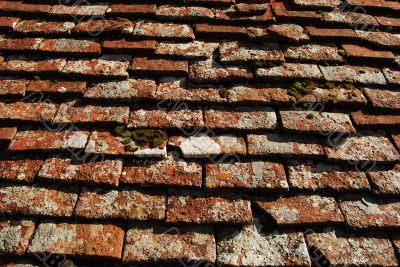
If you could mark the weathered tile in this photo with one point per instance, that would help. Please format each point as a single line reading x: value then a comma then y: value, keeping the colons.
x: 43, y: 27
x: 243, y: 117
x: 282, y: 13
x: 333, y: 34
x: 265, y: 94
x: 354, y: 74
x: 25, y: 112
x: 7, y: 133
x: 248, y: 175
x: 200, y: 208
x: 283, y: 145
x: 158, y: 67
x: 340, y: 250
x: 366, y: 212
x: 396, y: 139
x: 159, y: 244
x: 220, y: 31
x: 129, y: 46
x: 84, y: 240
x: 95, y: 10
x: 15, y: 236
x: 126, y: 90
x: 353, y: 19
x: 390, y: 23
x: 289, y: 32
x: 160, y: 118
x: 231, y: 15
x: 8, y: 22
x: 172, y: 171
x: 376, y: 120
x: 314, y: 121
x: 193, y: 50
x: 127, y: 9
x: 386, y: 181
x: 25, y: 8
x: 64, y: 170
x: 302, y: 210
x: 97, y: 27
x: 244, y: 52
x: 46, y: 140
x: 289, y: 71
x: 126, y: 204
x: 312, y: 176
x: 163, y: 30
x: 252, y: 247
x: 356, y: 52
x: 383, y: 39
x: 364, y: 147
x: 203, y: 146
x: 309, y: 4
x: 313, y: 53
x: 12, y: 87
x: 66, y: 46
x: 392, y: 76
x: 24, y: 170
x: 56, y: 87
x: 20, y: 44
x: 249, y: 9
x: 21, y: 64
x: 385, y: 99
x: 183, y: 13
x: 39, y: 201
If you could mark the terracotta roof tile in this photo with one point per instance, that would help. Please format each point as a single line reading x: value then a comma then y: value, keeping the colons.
x: 391, y: 23
x: 261, y: 94
x: 354, y: 74
x: 196, y: 49
x: 20, y: 7
x: 60, y: 87
x: 131, y: 9
x: 20, y: 44
x: 21, y: 231
x: 317, y: 4
x: 386, y: 181
x: 282, y: 12
x: 289, y: 71
x: 97, y: 9
x: 163, y: 30
x: 290, y: 32
x: 7, y: 133
x: 158, y: 67
x: 96, y: 27
x: 313, y: 53
x: 369, y: 120
x: 386, y: 99
x: 333, y: 34
x: 12, y: 87
x: 24, y: 170
x: 354, y: 19
x: 392, y: 76
x: 209, y: 30
x: 85, y: 240
x: 201, y: 208
x: 129, y: 46
x: 20, y: 111
x: 183, y: 13
x: 67, y: 46
x: 43, y: 27
x: 240, y: 52
x: 383, y: 39
x: 20, y: 64
x: 356, y: 52
x: 8, y: 22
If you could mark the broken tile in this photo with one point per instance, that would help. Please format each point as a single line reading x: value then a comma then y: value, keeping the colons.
x: 15, y: 236
x: 289, y: 32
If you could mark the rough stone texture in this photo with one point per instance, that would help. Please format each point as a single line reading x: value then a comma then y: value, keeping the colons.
x: 341, y: 250
x: 171, y: 171
x: 354, y: 74
x: 167, y: 245
x: 15, y: 236
x: 43, y: 27
x: 11, y: 87
x: 64, y: 170
x: 363, y: 147
x: 353, y: 19
x: 126, y: 204
x: 250, y: 246
x: 88, y: 114
x: 159, y: 118
x: 103, y: 142
x: 289, y: 71
x: 126, y: 90
x: 289, y: 32
x: 193, y: 50
x: 20, y: 64
x: 45, y: 140
x: 84, y: 240
x: 366, y: 212
x: 248, y: 175
x: 300, y: 210
x: 203, y: 146
x: 313, y: 53
x: 367, y: 119
x: 385, y: 99
x: 56, y: 87
x: 357, y: 52
x: 39, y: 201
x: 200, y: 208
x: 392, y: 76
x: 396, y: 139
x: 243, y: 118
x: 210, y: 71
x: 7, y: 133
x: 312, y: 176
x: 163, y: 30
x: 283, y: 145
x: 243, y: 52
x: 20, y: 111
x: 129, y: 46
x: 95, y: 10
x: 158, y: 67
x: 24, y: 170
x: 383, y: 39
x: 386, y: 180
x: 66, y: 46
x: 314, y: 121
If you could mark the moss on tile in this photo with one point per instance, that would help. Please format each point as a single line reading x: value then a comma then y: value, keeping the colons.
x: 145, y: 137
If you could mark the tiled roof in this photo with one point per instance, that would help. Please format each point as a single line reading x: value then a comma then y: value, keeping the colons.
x: 200, y: 133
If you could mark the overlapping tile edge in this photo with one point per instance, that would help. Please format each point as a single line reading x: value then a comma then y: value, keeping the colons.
x: 201, y: 132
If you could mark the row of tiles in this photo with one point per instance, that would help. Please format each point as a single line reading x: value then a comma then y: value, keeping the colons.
x: 250, y: 245
x: 306, y: 176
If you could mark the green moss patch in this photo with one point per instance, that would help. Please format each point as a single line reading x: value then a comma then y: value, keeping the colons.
x: 138, y: 138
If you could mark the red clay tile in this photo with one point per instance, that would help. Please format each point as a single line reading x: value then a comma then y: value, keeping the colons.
x: 158, y: 67
x: 385, y: 99
x: 184, y: 13
x: 347, y: 250
x: 332, y: 34
x: 7, y: 133
x: 142, y: 243
x: 247, y: 246
x: 64, y: 170
x: 247, y: 175
x: 367, y: 212
x: 199, y: 208
x: 39, y: 201
x: 43, y: 27
x: 250, y: 9
x: 392, y: 76
x: 352, y: 19
x: 51, y: 87
x: 243, y: 118
x: 353, y: 74
x: 314, y: 176
x: 289, y: 32
x: 356, y: 52
x: 172, y: 171
x: 24, y: 112
x: 311, y: 4
x: 220, y: 31
x: 289, y: 71
x: 303, y: 210
x: 46, y: 140
x: 193, y: 50
x: 369, y: 120
x: 131, y: 9
x: 12, y: 87
x: 163, y: 30
x: 233, y: 15
x: 8, y: 23
x: 391, y: 23
x: 68, y: 46
x: 265, y: 94
x: 127, y: 204
x: 313, y: 121
x: 83, y: 240
x: 94, y: 10
x: 20, y: 7
x: 283, y: 145
x: 396, y: 139
x: 126, y: 90
x: 241, y: 52
x: 313, y: 53
x: 20, y: 44
x: 21, y: 65
x: 383, y: 39
x: 202, y: 146
x: 15, y: 236
x: 129, y: 46
x: 386, y: 180
x: 282, y: 13
x: 96, y: 27
x: 24, y: 170
x: 340, y: 95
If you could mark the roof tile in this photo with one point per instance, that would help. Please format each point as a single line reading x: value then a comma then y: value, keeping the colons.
x: 8, y: 22
x: 390, y: 23
x: 241, y: 52
x: 333, y: 34
x: 24, y: 170
x: 392, y: 76
x: 247, y: 175
x: 386, y: 181
x: 383, y: 39
x: 265, y: 94
x: 353, y: 19
x: 67, y: 46
x: 7, y: 133
x: 96, y: 27
x: 209, y: 30
x: 195, y: 49
x: 129, y: 46
x: 317, y: 4
x: 289, y: 32
x: 396, y: 139
x: 289, y: 71
x: 163, y: 30
x: 158, y: 67
x: 20, y: 231
x: 131, y: 9
x: 12, y: 87
x: 201, y: 208
x: 184, y: 13
x: 167, y: 245
x: 20, y: 65
x: 24, y: 8
x: 281, y: 12
x: 313, y: 53
x: 283, y: 145
x: 355, y: 74
x: 85, y: 240
x: 96, y: 10
x: 386, y: 99
x: 35, y: 200
x: 43, y: 27
x: 21, y: 111
x: 20, y: 44
x: 56, y: 87
x: 357, y: 52
x: 368, y: 119
x: 127, y: 204
x: 64, y: 170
